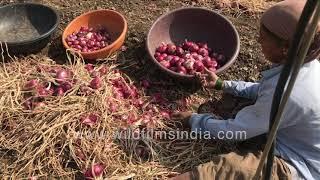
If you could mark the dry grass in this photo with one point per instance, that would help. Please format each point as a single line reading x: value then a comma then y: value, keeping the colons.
x: 44, y: 142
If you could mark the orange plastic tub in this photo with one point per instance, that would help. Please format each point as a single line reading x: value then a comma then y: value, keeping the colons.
x: 113, y: 21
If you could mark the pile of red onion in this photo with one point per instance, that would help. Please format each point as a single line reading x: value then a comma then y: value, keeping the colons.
x: 189, y: 57
x: 89, y: 39
x: 63, y: 82
x: 41, y: 89
x: 129, y: 95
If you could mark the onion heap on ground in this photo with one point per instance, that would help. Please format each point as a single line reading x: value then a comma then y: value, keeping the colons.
x: 60, y: 121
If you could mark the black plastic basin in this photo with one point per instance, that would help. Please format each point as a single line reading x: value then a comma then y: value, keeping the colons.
x: 27, y: 27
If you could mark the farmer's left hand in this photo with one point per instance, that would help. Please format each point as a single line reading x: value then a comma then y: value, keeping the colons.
x: 182, y: 117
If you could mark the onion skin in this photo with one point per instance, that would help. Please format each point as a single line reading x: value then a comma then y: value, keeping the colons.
x: 96, y: 83
x: 90, y: 119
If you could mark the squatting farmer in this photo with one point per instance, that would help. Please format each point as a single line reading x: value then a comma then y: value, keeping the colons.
x: 298, y: 138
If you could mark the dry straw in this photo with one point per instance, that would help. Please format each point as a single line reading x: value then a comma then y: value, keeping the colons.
x: 44, y: 142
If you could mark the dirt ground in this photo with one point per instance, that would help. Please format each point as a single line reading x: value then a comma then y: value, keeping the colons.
x: 140, y: 15
x: 135, y: 60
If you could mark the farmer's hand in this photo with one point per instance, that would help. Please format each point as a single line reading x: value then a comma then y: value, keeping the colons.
x: 208, y: 79
x: 182, y: 117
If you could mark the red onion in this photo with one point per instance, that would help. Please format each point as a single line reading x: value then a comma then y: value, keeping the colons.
x: 187, y: 45
x: 103, y: 70
x: 99, y: 37
x: 157, y: 54
x: 165, y: 114
x: 160, y: 58
x: 188, y: 64
x: 181, y: 70
x: 31, y: 84
x: 208, y: 62
x: 187, y: 56
x: 66, y: 86
x: 41, y: 91
x: 198, y: 66
x: 162, y: 49
x: 91, y: 44
x: 180, y: 62
x: 95, y: 171
x: 171, y: 48
x: 203, y: 52
x: 76, y: 42
x: 98, y: 44
x: 117, y: 93
x: 103, y: 44
x: 89, y: 35
x: 174, y: 61
x: 90, y: 119
x: 89, y: 67
x: 166, y: 64
x: 62, y: 75
x: 83, y: 43
x: 169, y: 58
x: 96, y: 83
x: 113, y: 107
x: 197, y: 57
x: 85, y: 49
x: 194, y: 48
x: 95, y: 74
x: 179, y: 51
x: 59, y: 91
x: 118, y: 83
x: 78, y: 47
x: 129, y: 92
